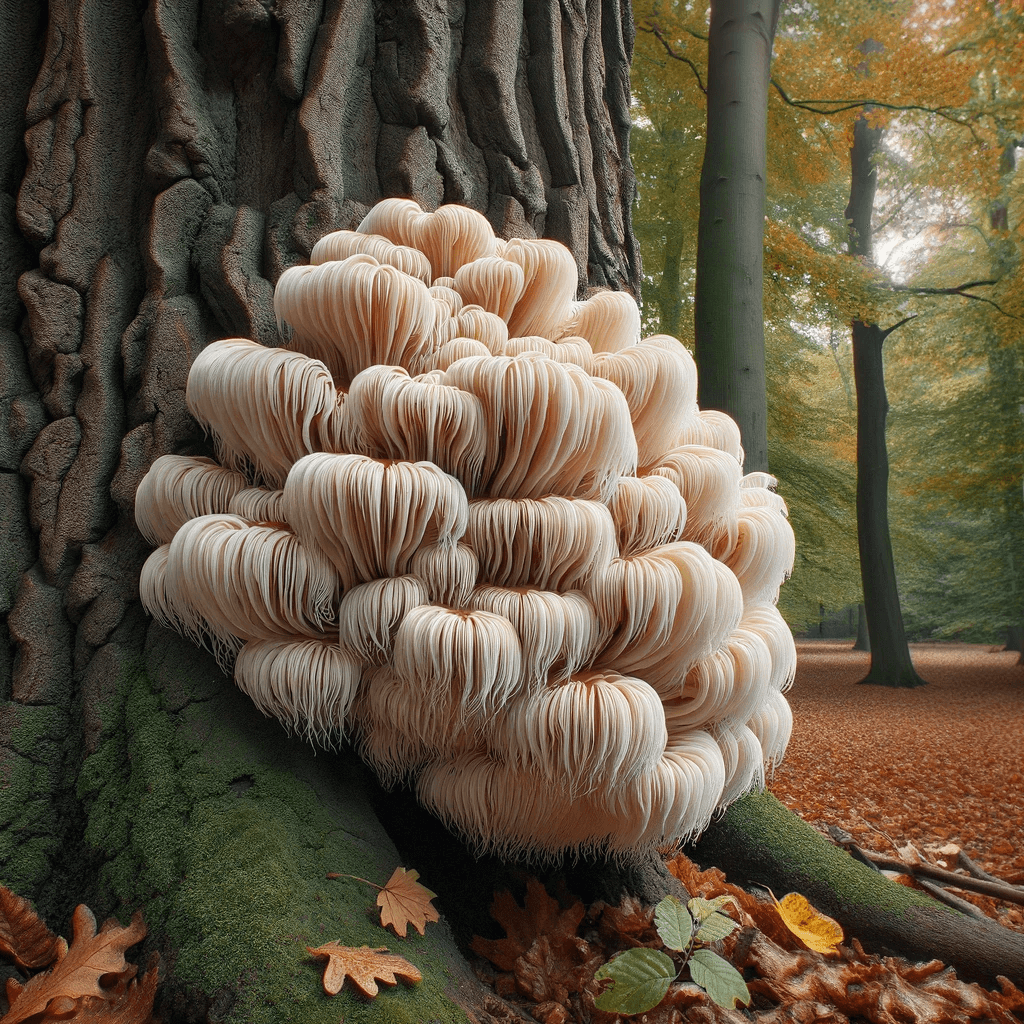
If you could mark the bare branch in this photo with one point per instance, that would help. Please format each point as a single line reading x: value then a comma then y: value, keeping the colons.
x: 653, y: 29
x: 897, y: 326
x: 959, y: 289
x: 828, y: 107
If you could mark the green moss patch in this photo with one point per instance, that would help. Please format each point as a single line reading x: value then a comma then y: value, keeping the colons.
x: 223, y: 831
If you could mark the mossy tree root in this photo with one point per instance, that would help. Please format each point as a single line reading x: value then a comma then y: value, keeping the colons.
x: 759, y: 841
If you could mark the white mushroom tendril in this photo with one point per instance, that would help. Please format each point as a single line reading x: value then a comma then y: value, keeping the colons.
x: 482, y: 530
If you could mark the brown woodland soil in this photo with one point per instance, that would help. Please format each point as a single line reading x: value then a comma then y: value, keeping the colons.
x: 935, y: 765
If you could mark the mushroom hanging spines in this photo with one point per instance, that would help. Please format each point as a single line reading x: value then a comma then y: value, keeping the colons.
x: 469, y: 520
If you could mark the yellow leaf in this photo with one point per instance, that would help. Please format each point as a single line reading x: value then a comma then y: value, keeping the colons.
x: 364, y: 966
x: 812, y: 928
x: 403, y: 901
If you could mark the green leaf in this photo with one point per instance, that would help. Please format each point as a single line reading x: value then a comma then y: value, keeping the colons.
x: 640, y: 978
x: 722, y: 982
x: 675, y: 926
x: 701, y: 908
x: 715, y: 927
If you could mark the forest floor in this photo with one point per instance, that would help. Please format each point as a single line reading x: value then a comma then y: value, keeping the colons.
x: 917, y: 775
x: 937, y: 765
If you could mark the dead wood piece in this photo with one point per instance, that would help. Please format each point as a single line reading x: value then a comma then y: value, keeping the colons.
x: 998, y: 890
x: 978, y: 872
x: 936, y: 890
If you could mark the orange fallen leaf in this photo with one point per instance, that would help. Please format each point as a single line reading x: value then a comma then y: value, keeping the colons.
x: 77, y: 971
x: 23, y: 936
x: 365, y: 966
x: 404, y: 901
x: 810, y: 926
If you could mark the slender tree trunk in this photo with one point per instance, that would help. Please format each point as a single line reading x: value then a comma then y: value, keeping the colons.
x: 728, y: 316
x: 161, y: 164
x: 863, y: 641
x: 890, y: 656
x: 669, y: 296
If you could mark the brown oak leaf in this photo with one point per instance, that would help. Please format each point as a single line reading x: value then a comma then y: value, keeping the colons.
x: 78, y: 968
x: 404, y: 901
x: 365, y: 966
x: 23, y: 936
x: 523, y: 925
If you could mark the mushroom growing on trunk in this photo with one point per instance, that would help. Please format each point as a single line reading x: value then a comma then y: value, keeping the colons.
x: 483, y: 530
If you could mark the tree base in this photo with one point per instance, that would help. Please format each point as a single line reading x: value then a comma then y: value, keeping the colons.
x: 466, y: 884
x: 897, y: 681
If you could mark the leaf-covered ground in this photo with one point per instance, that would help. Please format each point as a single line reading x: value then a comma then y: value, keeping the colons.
x: 935, y: 765
x: 908, y: 773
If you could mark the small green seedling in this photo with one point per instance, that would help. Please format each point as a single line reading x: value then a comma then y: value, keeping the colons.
x: 641, y: 977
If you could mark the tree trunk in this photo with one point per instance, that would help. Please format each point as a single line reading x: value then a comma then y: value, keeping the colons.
x: 669, y: 295
x: 863, y: 641
x: 890, y: 655
x: 162, y: 164
x: 728, y: 316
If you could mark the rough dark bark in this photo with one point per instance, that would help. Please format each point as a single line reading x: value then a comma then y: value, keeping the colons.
x: 728, y: 315
x: 161, y: 165
x: 890, y: 656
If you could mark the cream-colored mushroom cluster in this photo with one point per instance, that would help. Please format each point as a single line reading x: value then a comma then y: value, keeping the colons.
x: 483, y: 530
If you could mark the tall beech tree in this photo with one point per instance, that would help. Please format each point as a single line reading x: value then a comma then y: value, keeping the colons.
x: 891, y: 664
x: 161, y: 165
x: 728, y: 312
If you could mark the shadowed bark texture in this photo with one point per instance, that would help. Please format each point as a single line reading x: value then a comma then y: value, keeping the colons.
x: 161, y: 164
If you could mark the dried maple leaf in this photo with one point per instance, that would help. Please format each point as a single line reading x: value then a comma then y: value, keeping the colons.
x: 365, y: 966
x: 23, y: 936
x: 78, y: 968
x: 404, y: 901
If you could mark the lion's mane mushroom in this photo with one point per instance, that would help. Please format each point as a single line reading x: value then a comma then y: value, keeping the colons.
x: 484, y: 530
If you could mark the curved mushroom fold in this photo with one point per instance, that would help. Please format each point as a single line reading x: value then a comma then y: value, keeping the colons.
x: 266, y: 407
x: 558, y: 631
x: 308, y: 685
x: 597, y: 729
x: 483, y: 530
x: 339, y: 245
x: 178, y: 488
x: 370, y: 516
x: 357, y: 313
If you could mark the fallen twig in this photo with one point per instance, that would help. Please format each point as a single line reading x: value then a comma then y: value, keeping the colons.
x: 998, y: 890
x: 968, y: 865
x: 943, y: 896
x: 979, y: 881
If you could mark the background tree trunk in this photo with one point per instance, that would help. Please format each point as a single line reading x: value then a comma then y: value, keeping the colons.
x: 162, y: 164
x: 728, y: 313
x: 890, y: 655
x: 863, y: 641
